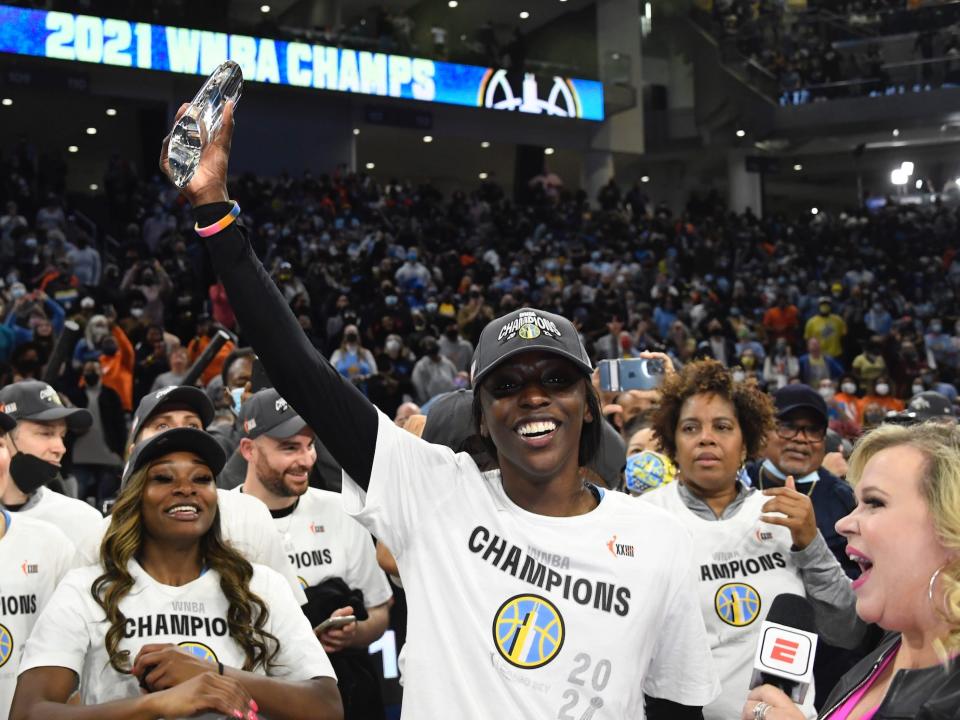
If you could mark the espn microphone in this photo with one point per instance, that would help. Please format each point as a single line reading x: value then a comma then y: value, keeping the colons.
x: 787, y: 647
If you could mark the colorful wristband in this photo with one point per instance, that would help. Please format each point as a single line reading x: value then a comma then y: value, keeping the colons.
x: 219, y: 224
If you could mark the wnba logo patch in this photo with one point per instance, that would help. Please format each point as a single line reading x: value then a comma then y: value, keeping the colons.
x: 737, y: 604
x: 199, y: 650
x: 528, y: 631
x: 6, y: 645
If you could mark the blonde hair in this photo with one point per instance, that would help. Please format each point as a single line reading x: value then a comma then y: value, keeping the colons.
x: 939, y: 443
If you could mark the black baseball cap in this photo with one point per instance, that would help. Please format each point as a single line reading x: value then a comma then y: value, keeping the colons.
x: 266, y: 413
x: 928, y: 405
x: 193, y: 398
x: 797, y: 395
x: 38, y: 402
x: 450, y: 420
x: 184, y: 439
x: 524, y: 330
x: 7, y: 423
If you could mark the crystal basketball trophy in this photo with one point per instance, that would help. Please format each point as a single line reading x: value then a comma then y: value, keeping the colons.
x: 200, y: 123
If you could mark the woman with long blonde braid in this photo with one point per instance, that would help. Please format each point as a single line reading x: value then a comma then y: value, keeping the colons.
x: 173, y: 622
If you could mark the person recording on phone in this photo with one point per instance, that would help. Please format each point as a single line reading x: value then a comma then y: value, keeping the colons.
x: 750, y: 546
x: 905, y: 536
x: 521, y: 578
x: 173, y: 622
x: 330, y: 552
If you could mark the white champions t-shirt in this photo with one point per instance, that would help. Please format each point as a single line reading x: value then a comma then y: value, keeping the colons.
x: 740, y: 565
x: 245, y: 523
x: 517, y: 615
x: 74, y: 518
x: 71, y: 631
x: 323, y: 542
x: 34, y: 557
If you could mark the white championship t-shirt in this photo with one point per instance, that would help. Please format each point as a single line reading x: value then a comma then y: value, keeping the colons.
x: 71, y: 631
x: 74, y: 518
x: 740, y: 565
x: 517, y: 615
x: 245, y: 523
x: 34, y: 557
x: 323, y: 542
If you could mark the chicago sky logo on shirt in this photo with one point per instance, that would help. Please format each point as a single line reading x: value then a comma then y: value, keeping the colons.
x: 737, y: 604
x: 6, y: 645
x: 528, y: 631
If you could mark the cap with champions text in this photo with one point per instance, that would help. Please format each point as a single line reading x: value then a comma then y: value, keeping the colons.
x: 522, y: 331
x: 38, y: 402
x: 190, y: 397
x: 184, y: 439
x: 266, y: 413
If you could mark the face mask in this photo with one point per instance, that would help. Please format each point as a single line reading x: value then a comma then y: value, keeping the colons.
x: 431, y: 307
x: 826, y: 393
x: 883, y: 389
x: 849, y: 388
x: 237, y: 395
x: 351, y: 337
x: 391, y: 300
x: 747, y: 361
x: 824, y: 309
x: 452, y: 336
x: 936, y: 327
x: 30, y: 473
x: 18, y: 292
x: 91, y: 379
x: 392, y: 346
x: 136, y: 312
x: 916, y: 389
x: 739, y: 376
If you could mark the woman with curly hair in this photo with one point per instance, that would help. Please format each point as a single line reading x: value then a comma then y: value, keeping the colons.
x: 174, y: 611
x: 749, y: 546
x: 905, y: 535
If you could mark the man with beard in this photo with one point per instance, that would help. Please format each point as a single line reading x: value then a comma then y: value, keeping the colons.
x: 322, y: 542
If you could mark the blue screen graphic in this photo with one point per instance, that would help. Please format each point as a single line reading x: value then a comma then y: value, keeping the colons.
x: 108, y: 41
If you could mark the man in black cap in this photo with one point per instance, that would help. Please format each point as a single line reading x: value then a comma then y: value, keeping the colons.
x: 36, y: 447
x: 322, y: 542
x: 796, y: 447
x: 34, y: 557
x: 242, y: 520
x: 927, y: 406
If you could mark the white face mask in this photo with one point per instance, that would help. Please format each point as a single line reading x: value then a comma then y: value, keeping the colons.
x: 739, y: 376
x: 849, y: 388
x: 916, y: 389
x: 826, y: 393
x: 883, y: 389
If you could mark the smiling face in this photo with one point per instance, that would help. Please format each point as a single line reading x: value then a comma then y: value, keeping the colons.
x: 179, y: 500
x: 534, y: 406
x: 710, y: 447
x: 891, y: 536
x: 283, y: 465
x: 43, y: 439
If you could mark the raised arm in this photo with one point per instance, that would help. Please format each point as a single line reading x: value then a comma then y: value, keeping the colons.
x: 344, y: 420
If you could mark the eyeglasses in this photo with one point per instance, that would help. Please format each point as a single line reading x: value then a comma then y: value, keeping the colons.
x: 811, y: 433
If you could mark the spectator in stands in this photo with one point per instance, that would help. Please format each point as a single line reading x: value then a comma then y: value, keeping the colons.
x: 433, y: 374
x: 878, y: 319
x: 608, y: 346
x: 877, y: 402
x: 86, y: 262
x: 118, y: 362
x: 815, y: 366
x: 354, y: 361
x: 828, y: 327
x: 177, y: 372
x: 220, y: 307
x: 473, y: 315
x: 709, y: 426
x: 455, y: 348
x: 204, y: 334
x: 97, y: 454
x: 34, y: 308
x: 870, y: 364
x: 165, y: 534
x: 780, y: 366
x: 153, y: 283
x: 782, y: 320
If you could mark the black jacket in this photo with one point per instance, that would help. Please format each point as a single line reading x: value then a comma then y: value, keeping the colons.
x: 927, y: 694
x: 111, y: 416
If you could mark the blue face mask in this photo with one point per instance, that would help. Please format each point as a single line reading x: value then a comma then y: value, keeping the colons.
x: 237, y: 395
